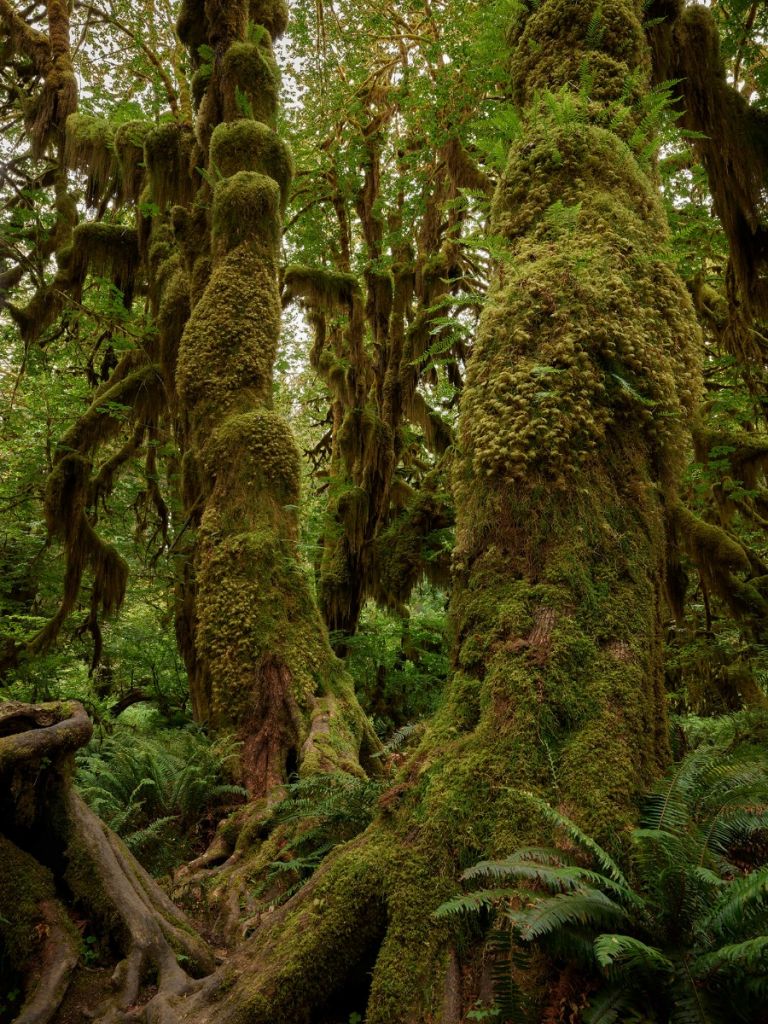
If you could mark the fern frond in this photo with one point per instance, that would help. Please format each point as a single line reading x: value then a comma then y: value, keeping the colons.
x: 584, y: 907
x: 627, y: 954
x: 603, y: 860
x: 748, y: 956
x: 605, y: 1006
x: 474, y: 902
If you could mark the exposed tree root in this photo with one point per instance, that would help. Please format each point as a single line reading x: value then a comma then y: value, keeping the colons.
x: 58, y: 850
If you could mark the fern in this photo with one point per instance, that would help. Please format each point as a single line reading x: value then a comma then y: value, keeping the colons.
x: 688, y: 941
x: 156, y: 791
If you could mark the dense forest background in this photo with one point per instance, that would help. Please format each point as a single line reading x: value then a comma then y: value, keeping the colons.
x: 383, y: 511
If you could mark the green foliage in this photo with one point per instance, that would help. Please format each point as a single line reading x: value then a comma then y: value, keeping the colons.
x: 400, y: 665
x: 681, y: 937
x: 323, y: 810
x: 161, y: 790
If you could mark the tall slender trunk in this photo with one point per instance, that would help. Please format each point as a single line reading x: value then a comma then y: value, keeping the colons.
x: 261, y: 655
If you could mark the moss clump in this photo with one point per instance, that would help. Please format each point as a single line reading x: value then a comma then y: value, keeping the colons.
x: 268, y: 454
x: 587, y: 235
x: 129, y: 147
x: 250, y: 83
x: 327, y: 291
x: 603, y: 44
x: 230, y: 342
x: 272, y: 14
x: 109, y: 250
x: 252, y: 146
x: 246, y: 210
x: 168, y: 153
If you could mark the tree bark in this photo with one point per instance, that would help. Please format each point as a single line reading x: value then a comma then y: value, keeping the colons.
x: 54, y: 849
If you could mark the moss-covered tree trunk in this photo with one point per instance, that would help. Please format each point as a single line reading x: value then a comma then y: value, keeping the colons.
x: 572, y: 430
x: 262, y: 662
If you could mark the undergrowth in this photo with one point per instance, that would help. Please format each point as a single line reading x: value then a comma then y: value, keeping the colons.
x: 679, y: 935
x: 162, y: 792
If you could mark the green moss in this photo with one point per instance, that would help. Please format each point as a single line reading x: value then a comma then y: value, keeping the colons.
x: 129, y: 147
x: 602, y: 44
x: 168, y: 154
x: 268, y: 457
x: 587, y: 234
x: 89, y: 147
x: 24, y: 886
x: 230, y: 342
x: 250, y: 83
x: 108, y: 250
x: 172, y: 316
x: 252, y: 146
x: 246, y: 210
x: 328, y: 291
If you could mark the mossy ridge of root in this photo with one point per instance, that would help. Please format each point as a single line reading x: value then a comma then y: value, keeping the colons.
x: 108, y: 885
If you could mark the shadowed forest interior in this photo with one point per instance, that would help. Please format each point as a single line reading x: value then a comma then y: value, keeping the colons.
x: 383, y: 512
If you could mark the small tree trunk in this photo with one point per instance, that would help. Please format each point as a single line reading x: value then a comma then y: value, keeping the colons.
x: 51, y: 843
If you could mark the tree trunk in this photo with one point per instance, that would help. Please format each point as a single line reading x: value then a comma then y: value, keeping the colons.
x: 55, y: 849
x: 261, y: 661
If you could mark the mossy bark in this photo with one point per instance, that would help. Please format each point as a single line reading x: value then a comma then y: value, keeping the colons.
x: 582, y: 380
x: 55, y: 849
x: 260, y: 658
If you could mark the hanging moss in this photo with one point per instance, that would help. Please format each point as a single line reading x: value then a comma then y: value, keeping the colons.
x: 246, y: 209
x: 172, y: 317
x: 718, y: 556
x: 413, y: 547
x: 250, y: 83
x: 746, y: 454
x: 438, y: 434
x: 90, y: 148
x: 327, y: 291
x: 730, y: 138
x: 108, y: 250
x: 191, y: 27
x: 168, y: 153
x: 246, y: 145
x: 129, y: 147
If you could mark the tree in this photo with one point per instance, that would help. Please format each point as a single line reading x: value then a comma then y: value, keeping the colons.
x: 572, y: 433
